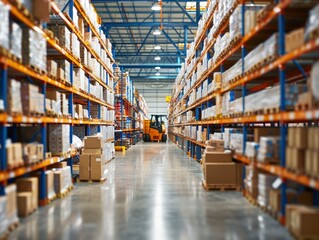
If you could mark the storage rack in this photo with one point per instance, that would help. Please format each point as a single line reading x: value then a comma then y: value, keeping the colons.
x: 129, y: 110
x: 277, y: 19
x: 10, y: 66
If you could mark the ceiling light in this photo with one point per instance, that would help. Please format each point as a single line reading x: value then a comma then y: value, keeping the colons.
x: 157, y: 68
x: 157, y: 74
x: 157, y: 47
x: 156, y: 7
x: 157, y: 58
x: 157, y: 32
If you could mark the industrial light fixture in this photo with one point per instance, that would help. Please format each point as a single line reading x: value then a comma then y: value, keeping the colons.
x: 157, y: 47
x: 157, y: 32
x: 156, y: 7
x: 157, y: 74
x: 157, y: 58
x: 157, y: 68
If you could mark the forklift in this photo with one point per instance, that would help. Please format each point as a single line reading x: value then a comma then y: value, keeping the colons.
x: 154, y: 129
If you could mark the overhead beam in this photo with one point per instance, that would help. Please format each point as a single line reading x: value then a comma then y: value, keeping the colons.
x: 154, y: 78
x: 148, y: 24
x: 151, y: 1
x: 162, y: 65
x: 171, y: 40
x: 153, y: 54
x: 184, y: 11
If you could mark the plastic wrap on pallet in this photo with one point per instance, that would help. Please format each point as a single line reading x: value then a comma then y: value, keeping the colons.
x: 3, y: 215
x: 75, y: 45
x: 29, y: 95
x: 4, y: 25
x: 12, y: 211
x: 268, y: 149
x: 264, y: 185
x: 34, y: 49
x: 312, y: 23
x: 63, y: 34
x: 252, y: 149
x: 62, y: 179
x: 14, y: 97
x: 65, y: 66
x: 59, y: 138
x: 314, y: 79
x: 40, y: 108
x: 16, y: 40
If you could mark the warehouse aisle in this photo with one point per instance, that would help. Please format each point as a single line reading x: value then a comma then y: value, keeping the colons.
x: 152, y: 192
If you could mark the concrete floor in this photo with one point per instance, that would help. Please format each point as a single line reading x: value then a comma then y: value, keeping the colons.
x: 152, y: 192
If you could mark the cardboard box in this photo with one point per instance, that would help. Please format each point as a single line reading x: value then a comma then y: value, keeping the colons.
x: 304, y: 221
x: 309, y: 160
x: 85, y: 167
x: 289, y: 209
x: 12, y: 211
x: 14, y: 155
x: 49, y: 176
x: 315, y: 163
x: 222, y: 173
x: 297, y: 160
x: 92, y: 151
x: 97, y: 167
x: 300, y: 137
x: 41, y: 10
x: 294, y: 39
x: 218, y: 157
x: 79, y: 110
x: 62, y: 164
x: 24, y: 200
x: 262, y: 132
x: 29, y: 185
x: 93, y: 142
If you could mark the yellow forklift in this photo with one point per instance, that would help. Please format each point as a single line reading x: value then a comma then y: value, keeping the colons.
x: 154, y: 129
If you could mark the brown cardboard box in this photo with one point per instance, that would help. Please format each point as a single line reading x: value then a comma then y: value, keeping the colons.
x: 92, y: 151
x: 30, y: 153
x: 41, y: 10
x: 221, y: 173
x: 297, y: 160
x: 61, y: 74
x: 218, y: 157
x: 304, y: 221
x: 239, y: 173
x: 79, y: 110
x: 289, y: 157
x: 58, y: 181
x: 93, y: 142
x: 97, y: 167
x: 315, y: 163
x: 11, y: 194
x: 291, y: 136
x: 300, y: 137
x: 85, y: 167
x: 309, y: 161
x: 31, y: 185
x: 275, y: 199
x: 24, y: 200
x: 315, y: 138
x: 14, y: 154
x: 310, y: 138
x: 53, y: 95
x: 261, y: 132
x: 294, y: 39
x: 289, y: 209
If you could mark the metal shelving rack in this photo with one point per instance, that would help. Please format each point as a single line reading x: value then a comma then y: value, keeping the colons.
x: 8, y: 65
x: 283, y: 117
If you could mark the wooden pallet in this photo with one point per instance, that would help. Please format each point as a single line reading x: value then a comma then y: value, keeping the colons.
x: 65, y: 193
x: 13, y: 226
x: 16, y: 59
x: 15, y: 165
x: 101, y: 180
x: 272, y: 110
x: 251, y: 200
x: 37, y: 69
x: 35, y: 114
x: 221, y: 187
x: 63, y: 155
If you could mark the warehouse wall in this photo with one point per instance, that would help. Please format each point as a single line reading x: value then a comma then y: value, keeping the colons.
x: 155, y: 97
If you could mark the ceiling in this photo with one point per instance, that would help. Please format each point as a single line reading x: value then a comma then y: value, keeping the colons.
x: 130, y: 24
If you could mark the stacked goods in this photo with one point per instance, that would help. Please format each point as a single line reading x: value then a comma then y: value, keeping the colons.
x: 251, y: 181
x: 55, y: 98
x: 64, y: 67
x: 218, y: 169
x: 84, y: 55
x: 12, y: 210
x: 52, y: 68
x: 268, y: 151
x: 49, y: 181
x: 32, y: 153
x: 79, y: 79
x: 93, y: 159
x: 62, y: 179
x: 63, y: 34
x: 292, y: 196
x: 78, y: 110
x: 4, y: 25
x: 252, y: 150
x: 312, y: 24
x: 34, y: 49
x: 14, y: 154
x: 264, y: 185
x: 302, y: 221
x: 312, y: 152
x: 3, y: 215
x: 75, y: 45
x: 27, y: 189
x: 59, y: 138
x: 296, y: 149
x: 16, y: 40
x: 65, y: 105
x: 294, y: 39
x: 311, y: 101
x: 14, y: 97
x: 30, y: 96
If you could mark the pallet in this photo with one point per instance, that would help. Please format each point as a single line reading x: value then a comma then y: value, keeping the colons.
x: 296, y: 171
x: 63, y: 155
x: 272, y: 110
x: 37, y: 69
x: 65, y: 193
x: 35, y: 114
x: 16, y: 59
x: 221, y: 187
x: 102, y: 180
x: 13, y: 226
x: 49, y: 33
x: 251, y: 200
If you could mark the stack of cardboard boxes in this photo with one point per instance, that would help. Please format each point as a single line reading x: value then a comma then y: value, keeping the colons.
x: 251, y: 181
x: 14, y: 155
x: 12, y: 211
x: 62, y: 180
x: 27, y: 195
x: 93, y: 159
x: 218, y: 168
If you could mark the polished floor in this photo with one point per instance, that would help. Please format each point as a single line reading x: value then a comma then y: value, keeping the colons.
x: 152, y: 192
